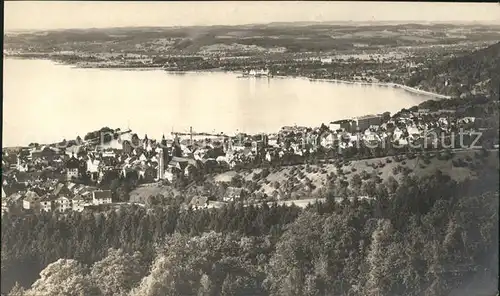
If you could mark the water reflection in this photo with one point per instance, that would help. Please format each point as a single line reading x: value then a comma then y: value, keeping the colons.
x: 44, y: 102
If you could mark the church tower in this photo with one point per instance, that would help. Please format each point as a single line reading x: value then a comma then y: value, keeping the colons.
x: 165, y: 150
x: 161, y: 164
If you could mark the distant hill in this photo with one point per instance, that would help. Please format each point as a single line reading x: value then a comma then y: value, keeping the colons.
x: 294, y: 37
x: 474, y: 73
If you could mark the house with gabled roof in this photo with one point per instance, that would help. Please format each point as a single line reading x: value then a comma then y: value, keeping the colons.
x: 93, y: 166
x: 5, y: 206
x: 79, y: 203
x: 233, y: 194
x: 15, y: 198
x: 101, y: 197
x: 72, y: 168
x: 31, y: 201
x: 200, y: 202
x: 86, y: 192
x: 62, y: 190
x: 143, y: 158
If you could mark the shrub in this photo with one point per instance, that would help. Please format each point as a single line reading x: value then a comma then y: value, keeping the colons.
x: 397, y: 158
x: 265, y: 172
x: 364, y: 175
x: 406, y: 171
x: 460, y: 163
x: 397, y: 169
x: 256, y: 176
x: 410, y: 156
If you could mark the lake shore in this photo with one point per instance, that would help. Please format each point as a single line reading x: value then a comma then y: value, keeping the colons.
x: 389, y: 84
x: 79, y: 65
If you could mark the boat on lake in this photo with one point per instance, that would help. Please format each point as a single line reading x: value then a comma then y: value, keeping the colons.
x: 255, y: 73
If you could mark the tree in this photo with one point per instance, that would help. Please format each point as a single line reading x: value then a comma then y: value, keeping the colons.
x: 378, y: 274
x: 356, y: 181
x: 62, y: 278
x: 123, y: 191
x: 17, y: 290
x: 369, y: 188
x: 237, y: 181
x: 392, y: 184
x: 386, y: 116
x: 118, y: 272
x: 299, y: 246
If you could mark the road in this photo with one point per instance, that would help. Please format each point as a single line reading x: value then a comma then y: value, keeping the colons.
x: 303, y: 203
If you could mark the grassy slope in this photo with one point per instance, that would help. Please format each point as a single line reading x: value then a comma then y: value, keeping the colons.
x: 318, y: 175
x: 141, y: 193
x: 319, y: 178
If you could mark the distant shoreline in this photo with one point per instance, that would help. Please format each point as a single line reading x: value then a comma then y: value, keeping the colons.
x: 390, y: 84
x: 155, y: 68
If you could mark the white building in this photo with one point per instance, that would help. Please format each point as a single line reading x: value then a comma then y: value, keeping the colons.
x: 31, y: 201
x: 334, y: 126
x: 63, y: 204
x: 101, y: 197
x: 329, y: 140
x: 46, y: 203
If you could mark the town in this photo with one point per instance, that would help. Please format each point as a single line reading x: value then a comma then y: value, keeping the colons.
x: 92, y: 173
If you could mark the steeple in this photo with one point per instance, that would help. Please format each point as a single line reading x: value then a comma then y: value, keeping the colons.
x: 161, y: 165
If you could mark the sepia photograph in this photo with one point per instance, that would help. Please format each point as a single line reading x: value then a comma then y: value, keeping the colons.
x: 252, y: 148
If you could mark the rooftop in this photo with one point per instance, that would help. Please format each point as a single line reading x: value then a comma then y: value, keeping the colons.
x: 102, y: 194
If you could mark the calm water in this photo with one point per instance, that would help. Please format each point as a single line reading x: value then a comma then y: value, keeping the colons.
x: 44, y: 102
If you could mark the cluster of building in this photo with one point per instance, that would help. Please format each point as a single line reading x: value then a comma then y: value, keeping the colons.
x: 50, y: 178
x: 63, y: 198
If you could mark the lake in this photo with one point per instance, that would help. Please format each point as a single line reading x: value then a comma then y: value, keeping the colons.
x: 45, y: 102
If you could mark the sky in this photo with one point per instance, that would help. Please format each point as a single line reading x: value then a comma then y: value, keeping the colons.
x: 41, y: 15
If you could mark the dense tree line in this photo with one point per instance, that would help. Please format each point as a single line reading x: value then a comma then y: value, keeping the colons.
x: 425, y: 236
x: 104, y: 134
x: 477, y: 72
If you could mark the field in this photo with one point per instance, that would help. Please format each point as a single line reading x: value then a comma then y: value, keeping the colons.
x: 141, y: 193
x: 318, y: 174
